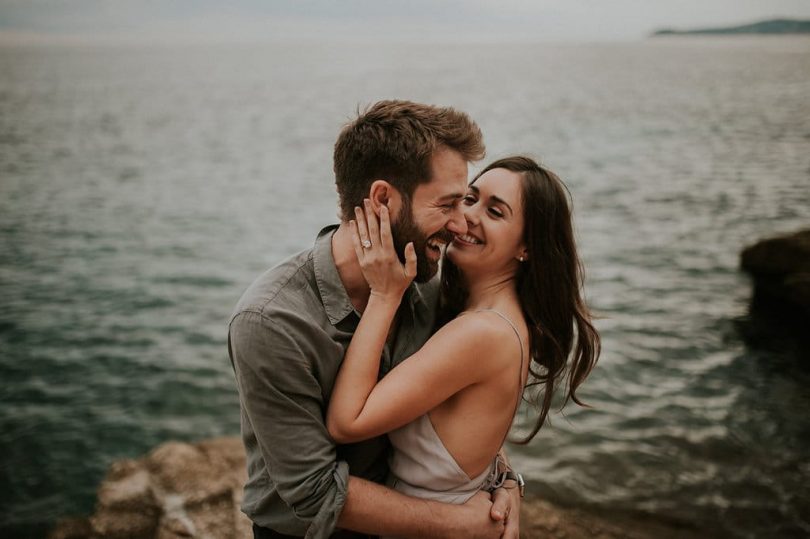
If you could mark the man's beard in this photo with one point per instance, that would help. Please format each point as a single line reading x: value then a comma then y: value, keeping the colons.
x: 405, y: 230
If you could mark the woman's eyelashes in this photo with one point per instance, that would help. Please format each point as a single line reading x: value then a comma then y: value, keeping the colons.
x: 494, y: 211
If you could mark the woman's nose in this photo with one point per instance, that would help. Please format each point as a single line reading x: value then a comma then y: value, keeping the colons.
x: 470, y: 215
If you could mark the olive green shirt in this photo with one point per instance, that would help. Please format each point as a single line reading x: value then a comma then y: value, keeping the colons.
x: 286, y: 341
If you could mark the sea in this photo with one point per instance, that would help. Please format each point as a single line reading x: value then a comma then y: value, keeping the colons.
x: 144, y: 187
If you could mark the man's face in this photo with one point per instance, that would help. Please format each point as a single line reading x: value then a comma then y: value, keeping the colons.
x: 433, y: 216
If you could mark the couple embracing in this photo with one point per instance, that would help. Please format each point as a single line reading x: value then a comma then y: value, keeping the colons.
x: 376, y: 394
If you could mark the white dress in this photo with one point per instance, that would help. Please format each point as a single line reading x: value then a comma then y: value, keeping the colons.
x: 421, y: 466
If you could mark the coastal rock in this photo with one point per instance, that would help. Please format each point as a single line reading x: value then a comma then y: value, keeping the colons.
x: 184, y: 490
x: 177, y: 490
x: 780, y: 255
x: 72, y: 528
x: 780, y: 268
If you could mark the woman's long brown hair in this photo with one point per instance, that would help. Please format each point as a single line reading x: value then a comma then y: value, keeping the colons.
x: 549, y: 284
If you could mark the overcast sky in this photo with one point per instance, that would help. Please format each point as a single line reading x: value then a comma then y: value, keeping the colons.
x: 411, y: 20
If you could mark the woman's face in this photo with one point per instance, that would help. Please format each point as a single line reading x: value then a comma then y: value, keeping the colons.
x: 493, y: 208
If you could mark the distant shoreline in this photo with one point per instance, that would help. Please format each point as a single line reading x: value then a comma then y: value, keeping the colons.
x: 769, y: 27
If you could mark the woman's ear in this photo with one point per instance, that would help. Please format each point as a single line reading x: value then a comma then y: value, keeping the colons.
x: 383, y: 193
x: 523, y: 256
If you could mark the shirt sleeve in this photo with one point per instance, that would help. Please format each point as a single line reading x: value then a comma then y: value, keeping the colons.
x: 283, y: 400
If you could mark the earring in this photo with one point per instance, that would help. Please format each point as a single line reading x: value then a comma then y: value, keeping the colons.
x: 521, y: 258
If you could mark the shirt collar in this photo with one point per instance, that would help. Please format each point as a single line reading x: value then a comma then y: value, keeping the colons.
x: 335, y: 300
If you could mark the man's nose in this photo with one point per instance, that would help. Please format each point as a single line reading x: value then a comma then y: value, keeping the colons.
x: 470, y: 216
x: 457, y: 223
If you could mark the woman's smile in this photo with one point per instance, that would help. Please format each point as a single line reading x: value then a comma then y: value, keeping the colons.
x: 467, y: 240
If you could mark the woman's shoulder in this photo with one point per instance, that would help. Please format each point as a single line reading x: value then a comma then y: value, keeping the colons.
x: 484, y: 345
x: 485, y: 329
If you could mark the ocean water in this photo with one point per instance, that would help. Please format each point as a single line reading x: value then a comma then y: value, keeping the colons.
x: 143, y: 188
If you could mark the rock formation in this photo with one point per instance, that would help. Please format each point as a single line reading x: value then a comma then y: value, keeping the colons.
x: 780, y: 268
x: 177, y: 490
x: 184, y: 490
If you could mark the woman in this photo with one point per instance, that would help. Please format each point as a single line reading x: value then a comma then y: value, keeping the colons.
x: 512, y: 296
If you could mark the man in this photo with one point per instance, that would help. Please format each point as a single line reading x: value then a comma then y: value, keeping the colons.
x: 291, y: 329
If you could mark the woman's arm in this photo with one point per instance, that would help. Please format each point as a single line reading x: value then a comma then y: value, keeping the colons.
x: 359, y: 370
x: 388, y: 280
x: 362, y: 408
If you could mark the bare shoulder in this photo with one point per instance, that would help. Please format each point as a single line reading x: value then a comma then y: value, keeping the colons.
x: 481, y: 333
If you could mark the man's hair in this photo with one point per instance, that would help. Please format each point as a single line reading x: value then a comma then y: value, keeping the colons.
x: 394, y: 140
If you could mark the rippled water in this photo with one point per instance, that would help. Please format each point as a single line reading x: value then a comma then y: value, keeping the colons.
x: 142, y: 189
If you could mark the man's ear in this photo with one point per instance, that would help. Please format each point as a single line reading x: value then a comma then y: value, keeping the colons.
x: 383, y: 193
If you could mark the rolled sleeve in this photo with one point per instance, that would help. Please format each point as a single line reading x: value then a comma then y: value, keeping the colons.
x: 283, y: 401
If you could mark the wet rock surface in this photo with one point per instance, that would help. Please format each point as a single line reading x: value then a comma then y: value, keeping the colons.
x: 184, y: 490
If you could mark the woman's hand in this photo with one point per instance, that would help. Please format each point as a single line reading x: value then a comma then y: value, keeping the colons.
x: 388, y: 279
x: 374, y: 247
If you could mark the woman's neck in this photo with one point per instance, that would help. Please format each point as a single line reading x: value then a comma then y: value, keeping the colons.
x: 492, y: 292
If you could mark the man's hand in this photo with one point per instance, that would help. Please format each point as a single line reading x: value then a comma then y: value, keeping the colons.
x: 506, y: 508
x: 473, y: 519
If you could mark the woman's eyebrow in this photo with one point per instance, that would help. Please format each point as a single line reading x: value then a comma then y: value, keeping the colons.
x: 494, y: 198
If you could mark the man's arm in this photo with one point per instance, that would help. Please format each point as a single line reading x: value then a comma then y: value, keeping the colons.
x: 376, y: 510
x: 283, y: 402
